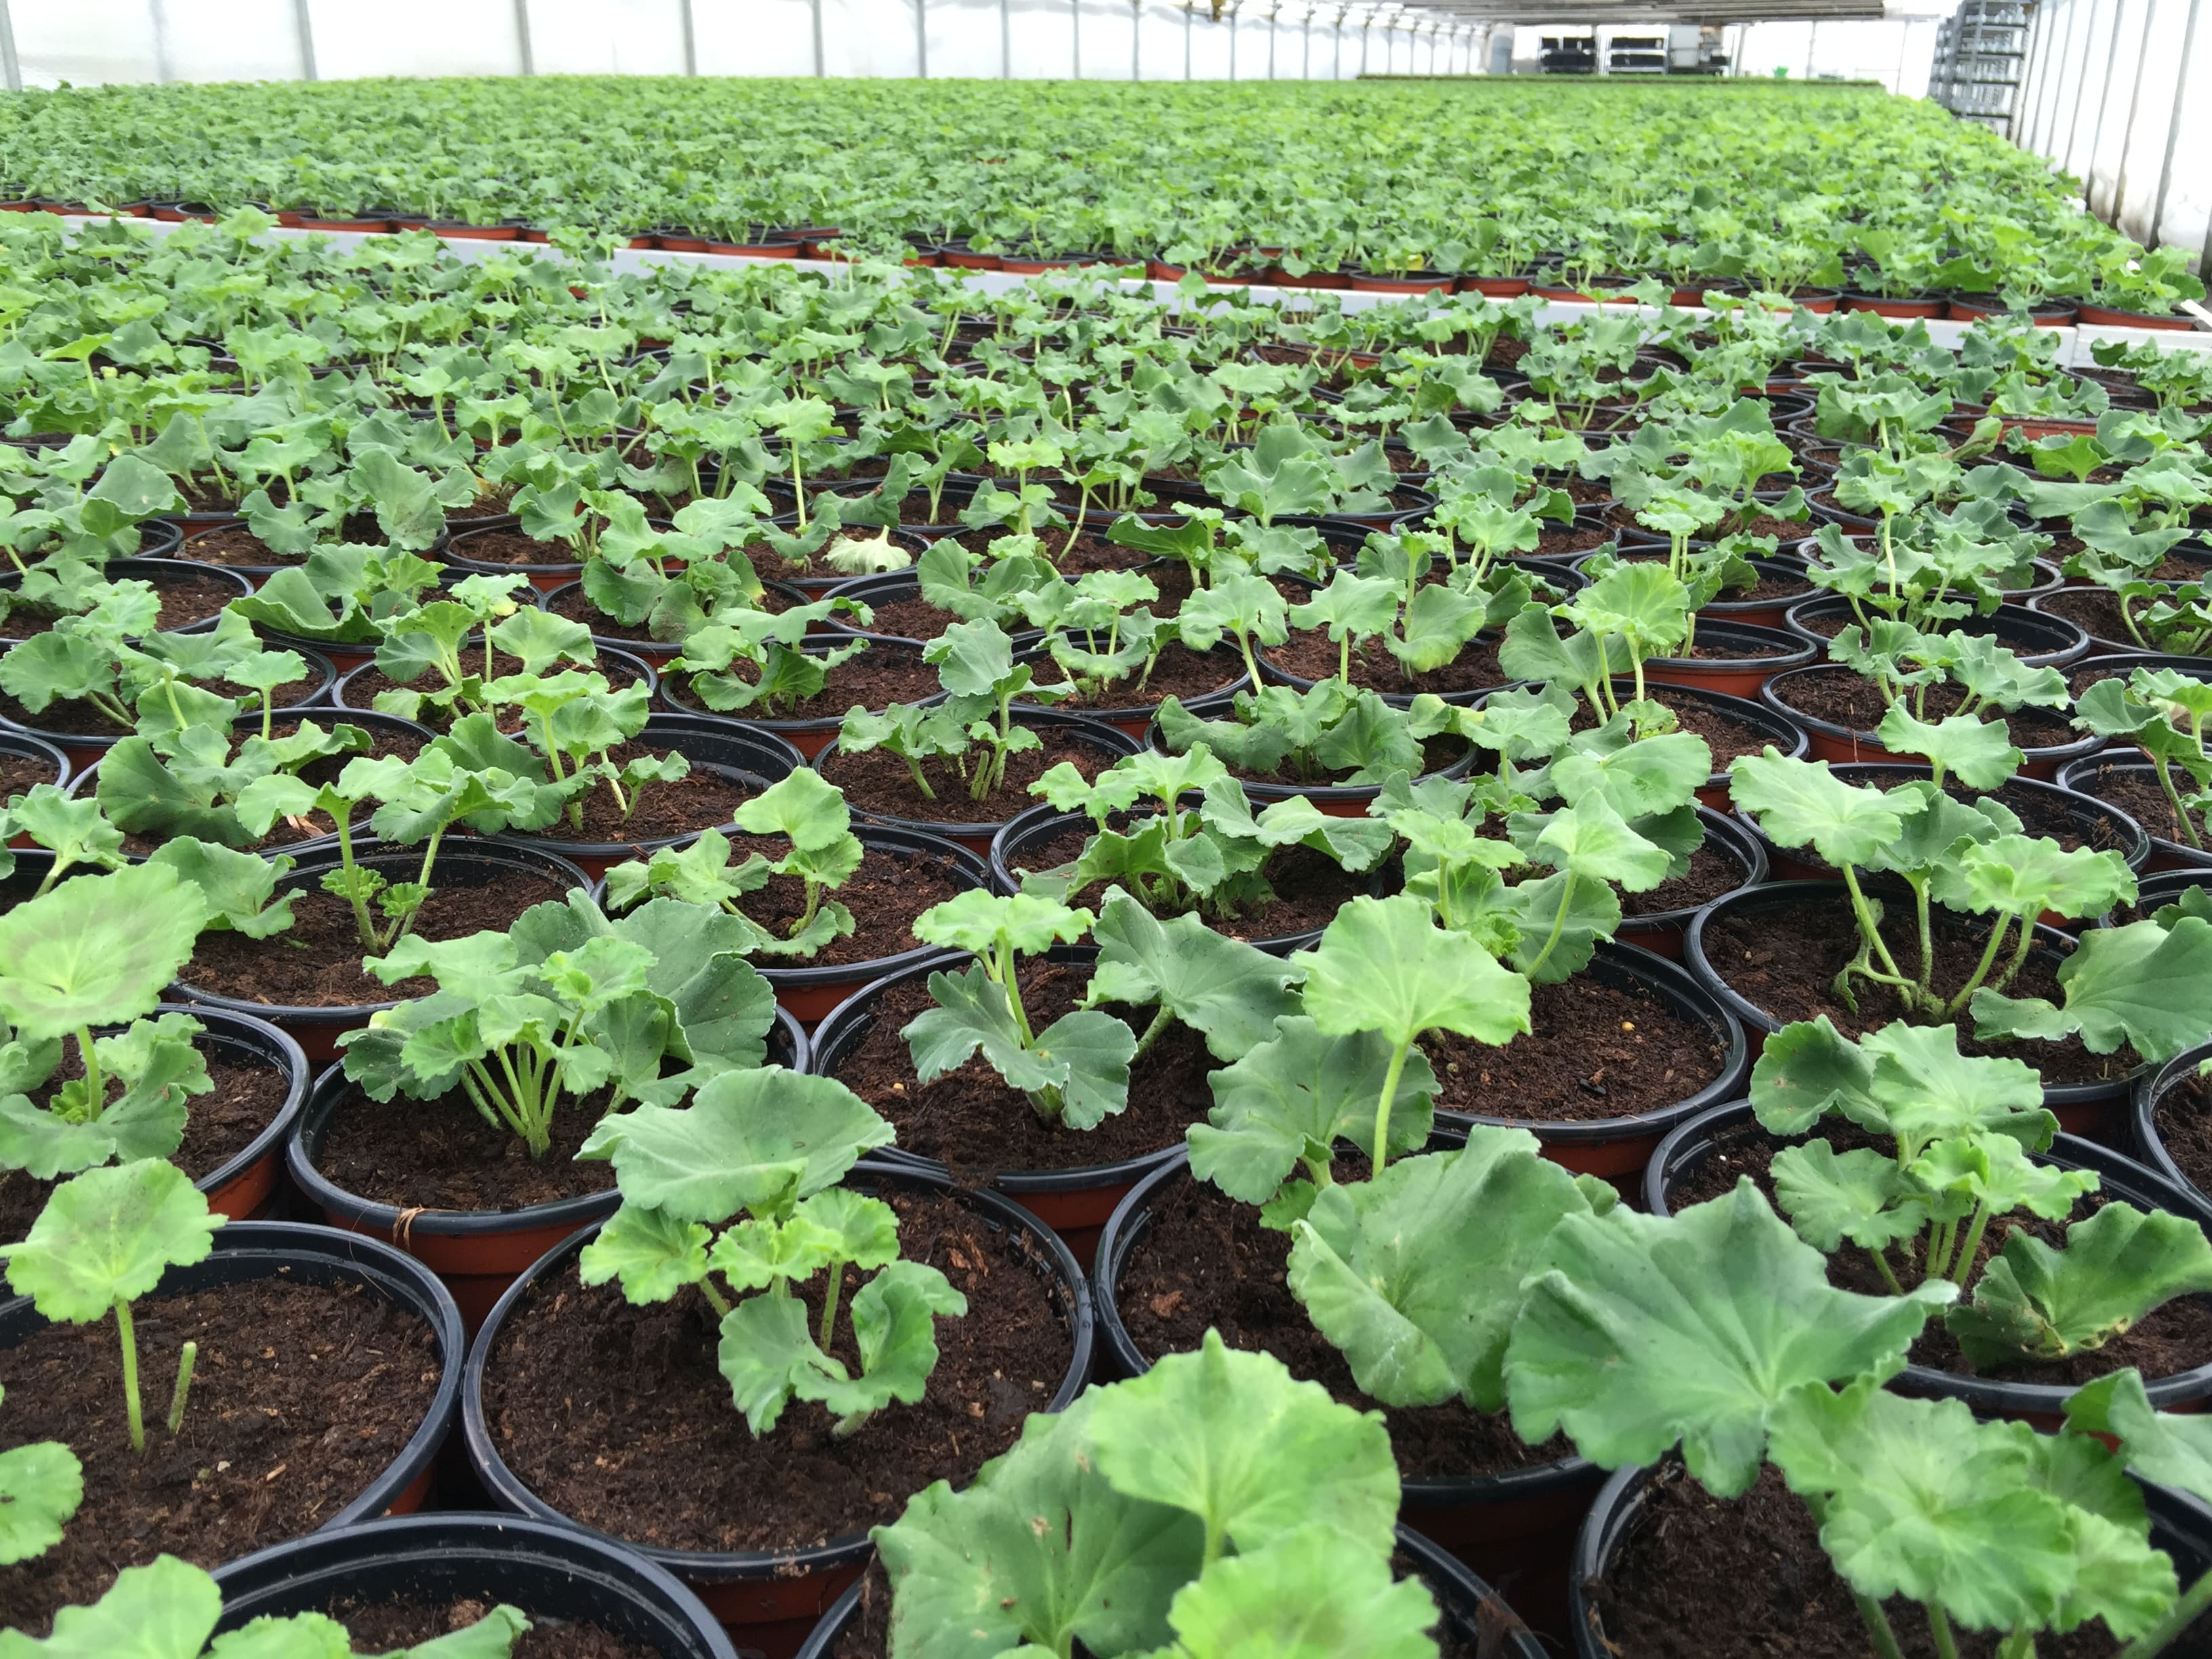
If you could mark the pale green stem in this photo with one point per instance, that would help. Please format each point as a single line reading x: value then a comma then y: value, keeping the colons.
x: 186, y: 1357
x: 129, y: 1333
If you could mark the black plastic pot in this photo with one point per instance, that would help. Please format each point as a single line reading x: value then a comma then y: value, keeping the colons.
x: 242, y: 1186
x: 891, y: 586
x: 255, y: 574
x: 347, y: 695
x: 2153, y: 893
x: 1832, y: 741
x: 2144, y: 1139
x: 2118, y: 1176
x: 24, y: 746
x: 2180, y: 1526
x: 2084, y: 776
x: 1510, y: 1526
x: 462, y: 861
x: 1778, y: 651
x: 85, y: 748
x: 476, y: 1253
x: 750, y: 758
x: 1134, y: 719
x: 2040, y: 640
x: 1213, y: 706
x: 152, y: 566
x: 1765, y: 613
x: 1661, y: 931
x: 773, y: 1596
x: 248, y: 1250
x: 1073, y: 1202
x: 2094, y: 1110
x: 977, y: 837
x: 1618, y: 1148
x: 811, y: 734
x: 1013, y: 847
x: 555, y: 1575
x: 557, y: 570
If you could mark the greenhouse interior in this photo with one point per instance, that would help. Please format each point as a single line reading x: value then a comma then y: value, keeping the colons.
x: 1106, y: 830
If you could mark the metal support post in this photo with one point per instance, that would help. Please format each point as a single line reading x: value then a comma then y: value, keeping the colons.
x: 1006, y: 40
x: 818, y: 61
x: 160, y: 15
x: 302, y: 26
x: 522, y: 36
x: 9, y: 63
x: 1075, y: 15
x: 1136, y: 39
x: 922, y: 38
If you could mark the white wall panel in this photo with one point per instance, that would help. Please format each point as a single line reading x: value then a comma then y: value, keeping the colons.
x: 602, y: 37
x: 763, y: 37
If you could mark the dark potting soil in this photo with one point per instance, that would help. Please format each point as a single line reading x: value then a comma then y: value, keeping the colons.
x: 906, y: 619
x: 1558, y: 542
x: 443, y: 1155
x: 80, y: 717
x: 575, y: 605
x: 21, y: 774
x: 218, y: 1125
x: 1309, y: 888
x: 620, y: 1418
x: 1592, y: 1052
x: 878, y: 782
x: 290, y: 832
x: 1179, y: 672
x: 1711, y: 873
x: 969, y: 1120
x: 186, y: 596
x: 301, y: 1396
x: 233, y: 543
x: 1310, y: 654
x: 316, y: 962
x: 1769, y: 589
x: 1728, y: 737
x: 1838, y: 695
x: 1701, y: 1577
x: 2183, y: 1118
x: 885, y: 893
x: 2170, y: 1339
x: 510, y: 546
x: 2094, y: 609
x: 2138, y: 795
x: 1207, y: 1263
x: 880, y: 677
x: 1782, y: 960
x: 370, y: 682
x: 700, y: 799
x: 387, y: 1626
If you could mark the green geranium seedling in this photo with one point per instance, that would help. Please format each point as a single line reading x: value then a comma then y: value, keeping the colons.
x: 41, y: 1486
x: 1075, y: 1070
x: 104, y: 1238
x: 758, y: 1155
x: 1384, y: 966
x: 824, y: 852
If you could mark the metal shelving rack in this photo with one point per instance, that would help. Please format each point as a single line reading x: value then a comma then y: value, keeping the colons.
x: 1980, y: 53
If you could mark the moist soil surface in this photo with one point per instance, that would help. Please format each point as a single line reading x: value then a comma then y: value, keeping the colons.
x: 2138, y: 795
x: 301, y: 1396
x: 880, y: 676
x: 700, y: 799
x: 1593, y: 1051
x: 1841, y: 698
x: 232, y: 544
x: 2183, y: 1118
x: 1310, y: 654
x: 885, y: 893
x: 1309, y: 887
x: 877, y: 781
x: 186, y: 596
x: 1179, y: 672
x: 2169, y: 1340
x: 290, y: 832
x: 507, y: 545
x: 442, y: 1155
x: 1205, y: 1262
x: 620, y: 1418
x: 388, y: 1626
x: 1701, y: 1577
x: 2096, y: 611
x: 912, y: 618
x: 368, y: 682
x: 1090, y: 551
x: 21, y: 774
x: 218, y: 1126
x: 1711, y: 873
x: 80, y: 717
x: 969, y: 1120
x: 1784, y: 959
x: 316, y: 962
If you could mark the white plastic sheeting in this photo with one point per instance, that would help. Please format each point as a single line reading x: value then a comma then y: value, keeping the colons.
x: 2119, y: 94
x: 89, y: 42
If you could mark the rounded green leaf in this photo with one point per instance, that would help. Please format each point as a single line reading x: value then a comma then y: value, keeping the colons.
x: 97, y: 951
x: 107, y: 1235
x: 1385, y: 966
